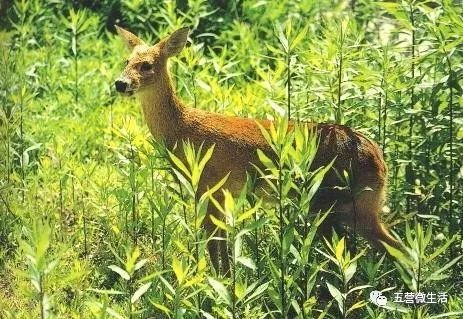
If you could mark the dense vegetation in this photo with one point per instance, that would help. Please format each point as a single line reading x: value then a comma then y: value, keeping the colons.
x: 96, y: 223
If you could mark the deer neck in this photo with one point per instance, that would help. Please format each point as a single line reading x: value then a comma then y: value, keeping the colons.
x: 162, y: 109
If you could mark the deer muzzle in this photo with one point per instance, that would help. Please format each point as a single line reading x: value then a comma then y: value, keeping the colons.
x: 123, y: 85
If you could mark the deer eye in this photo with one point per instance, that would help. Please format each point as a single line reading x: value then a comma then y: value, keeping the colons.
x: 145, y: 66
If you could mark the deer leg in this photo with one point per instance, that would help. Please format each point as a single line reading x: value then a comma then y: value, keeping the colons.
x: 329, y: 224
x: 367, y: 221
x: 379, y: 234
x: 218, y: 249
x: 212, y: 245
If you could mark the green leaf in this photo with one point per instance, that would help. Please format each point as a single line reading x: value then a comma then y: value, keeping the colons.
x: 183, y: 181
x: 168, y: 285
x: 357, y: 305
x: 120, y: 271
x: 264, y: 159
x: 255, y: 292
x: 247, y: 262
x: 140, y: 264
x: 107, y: 292
x: 50, y: 267
x: 219, y: 223
x: 276, y: 107
x: 288, y: 239
x: 398, y: 12
x: 113, y: 313
x: 131, y: 259
x: 179, y: 164
x: 398, y: 255
x: 220, y: 289
x: 240, y: 290
x: 358, y: 288
x: 448, y: 314
x: 339, y: 252
x: 254, y: 225
x: 161, y: 307
x: 435, y: 275
x: 140, y: 291
x: 282, y: 38
x: 178, y: 269
x: 440, y: 250
x: 317, y: 179
x: 299, y: 37
x: 214, y: 188
x: 237, y: 246
x: 336, y: 295
x: 206, y: 157
x: 248, y: 213
x: 350, y: 271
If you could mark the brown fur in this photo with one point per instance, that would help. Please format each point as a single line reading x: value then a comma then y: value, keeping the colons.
x: 237, y: 139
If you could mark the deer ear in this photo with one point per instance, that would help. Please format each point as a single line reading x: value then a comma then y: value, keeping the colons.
x: 130, y: 39
x: 176, y: 42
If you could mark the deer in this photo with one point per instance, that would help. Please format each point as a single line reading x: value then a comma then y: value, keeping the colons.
x: 237, y: 139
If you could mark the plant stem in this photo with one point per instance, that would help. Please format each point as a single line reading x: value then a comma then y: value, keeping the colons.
x: 451, y: 218
x: 233, y: 269
x: 281, y: 220
x: 182, y: 197
x: 163, y: 254
x: 8, y: 160
x: 385, y: 119
x: 451, y: 177
x: 21, y: 115
x: 305, y: 272
x: 412, y: 107
x: 288, y: 74
x: 21, y: 145
x: 41, y: 297
x: 340, y: 66
x: 85, y: 226
x: 61, y: 204
x: 196, y: 251
x: 133, y: 185
x: 345, y: 287
x: 152, y: 209
x: 76, y: 71
x: 256, y: 242
x: 380, y: 102
x: 129, y: 302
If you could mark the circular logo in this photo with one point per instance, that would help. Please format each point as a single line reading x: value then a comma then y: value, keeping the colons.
x: 377, y: 298
x: 381, y: 301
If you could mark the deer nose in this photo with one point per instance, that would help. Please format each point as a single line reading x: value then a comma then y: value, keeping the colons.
x: 121, y: 86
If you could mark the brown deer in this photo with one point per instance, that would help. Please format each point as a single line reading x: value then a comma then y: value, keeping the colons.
x: 237, y: 139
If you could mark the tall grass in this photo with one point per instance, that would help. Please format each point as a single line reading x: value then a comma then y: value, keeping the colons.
x: 99, y: 221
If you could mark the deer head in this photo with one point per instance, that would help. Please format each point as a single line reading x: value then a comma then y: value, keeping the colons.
x: 146, y: 65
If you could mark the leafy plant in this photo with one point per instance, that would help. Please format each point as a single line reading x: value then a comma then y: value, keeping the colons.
x: 74, y: 151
